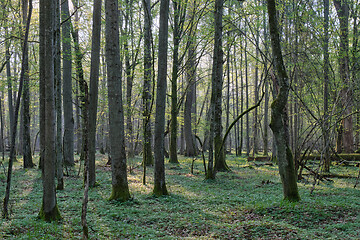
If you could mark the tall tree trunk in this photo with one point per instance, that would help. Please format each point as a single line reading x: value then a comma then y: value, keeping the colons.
x: 189, y: 107
x: 58, y: 98
x: 120, y: 188
x: 247, y: 98
x: 9, y: 86
x: 127, y: 35
x: 27, y: 157
x: 49, y: 210
x: 342, y: 9
x: 94, y: 85
x: 147, y: 88
x: 279, y: 116
x: 159, y: 171
x: 216, y: 153
x: 326, y: 126
x: 68, y: 148
x: 266, y: 100
x: 174, y: 79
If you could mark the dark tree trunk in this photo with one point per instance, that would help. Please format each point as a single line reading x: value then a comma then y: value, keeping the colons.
x: 326, y: 124
x: 49, y: 210
x: 58, y: 98
x: 279, y: 116
x: 120, y: 188
x: 342, y: 9
x: 159, y: 171
x: 148, y: 158
x: 94, y: 85
x: 27, y: 157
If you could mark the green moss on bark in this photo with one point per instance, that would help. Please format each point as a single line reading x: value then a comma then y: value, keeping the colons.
x: 120, y: 194
x: 53, y: 215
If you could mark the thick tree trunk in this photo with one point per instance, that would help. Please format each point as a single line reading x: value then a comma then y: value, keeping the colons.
x: 68, y: 148
x: 49, y: 210
x: 120, y: 188
x: 159, y: 171
x: 94, y: 85
x: 279, y: 116
x: 216, y: 152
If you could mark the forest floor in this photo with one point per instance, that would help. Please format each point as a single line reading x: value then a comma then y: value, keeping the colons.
x: 245, y: 203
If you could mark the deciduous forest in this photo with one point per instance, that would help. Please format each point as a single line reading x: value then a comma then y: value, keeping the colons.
x: 180, y: 119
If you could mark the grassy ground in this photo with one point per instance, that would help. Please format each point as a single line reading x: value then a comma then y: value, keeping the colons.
x: 243, y: 204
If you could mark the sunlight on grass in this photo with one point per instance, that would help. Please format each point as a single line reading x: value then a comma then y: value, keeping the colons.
x: 244, y: 203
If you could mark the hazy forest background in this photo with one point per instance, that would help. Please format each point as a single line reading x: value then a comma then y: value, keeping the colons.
x: 177, y: 119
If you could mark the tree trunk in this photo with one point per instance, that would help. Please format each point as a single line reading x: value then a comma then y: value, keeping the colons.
x: 49, y: 210
x: 148, y: 158
x: 27, y: 157
x: 189, y: 107
x: 326, y: 126
x: 279, y: 116
x: 159, y: 171
x: 68, y: 148
x: 57, y: 76
x: 342, y: 9
x: 216, y: 152
x: 94, y: 85
x: 120, y: 188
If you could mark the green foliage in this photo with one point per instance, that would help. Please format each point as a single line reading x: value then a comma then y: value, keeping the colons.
x: 243, y: 204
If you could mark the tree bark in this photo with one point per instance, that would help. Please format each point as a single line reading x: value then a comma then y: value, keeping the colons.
x: 27, y: 157
x: 68, y: 148
x: 120, y: 188
x: 94, y: 85
x: 148, y: 158
x: 49, y: 210
x: 279, y: 116
x: 189, y: 107
x: 342, y: 9
x: 325, y: 128
x: 159, y: 171
x: 58, y: 98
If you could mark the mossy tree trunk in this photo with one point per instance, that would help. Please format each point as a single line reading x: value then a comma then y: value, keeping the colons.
x: 279, y: 115
x: 120, y: 188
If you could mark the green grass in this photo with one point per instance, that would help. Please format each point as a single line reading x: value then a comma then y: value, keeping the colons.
x: 243, y: 204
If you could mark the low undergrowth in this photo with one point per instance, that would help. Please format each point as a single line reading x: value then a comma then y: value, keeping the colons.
x: 245, y: 203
